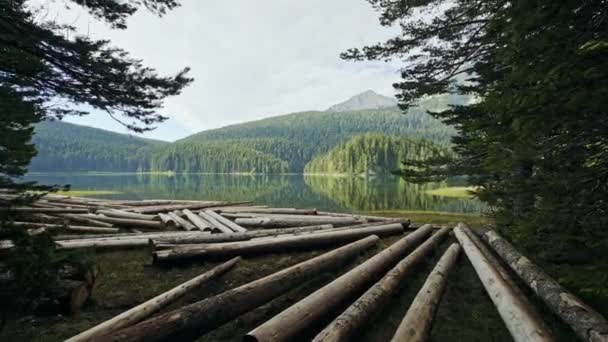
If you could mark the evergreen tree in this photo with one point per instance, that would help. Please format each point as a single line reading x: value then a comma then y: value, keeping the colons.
x: 535, y: 141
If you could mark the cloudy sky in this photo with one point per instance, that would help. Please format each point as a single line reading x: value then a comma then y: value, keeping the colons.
x: 250, y: 59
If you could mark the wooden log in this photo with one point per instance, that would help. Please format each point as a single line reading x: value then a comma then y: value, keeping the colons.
x: 293, y: 222
x: 198, y: 221
x: 146, y: 235
x: 193, y: 320
x: 366, y: 217
x: 67, y: 227
x: 167, y: 208
x: 588, y: 324
x: 78, y: 218
x: 176, y: 215
x: 417, y: 322
x: 216, y: 224
x: 122, y: 243
x: 127, y: 222
x: 153, y: 305
x: 127, y: 215
x: 43, y: 210
x: 288, y: 211
x: 227, y: 237
x: 226, y: 222
x: 308, y: 241
x: 344, y: 327
x: 168, y: 221
x: 522, y: 325
x: 289, y: 324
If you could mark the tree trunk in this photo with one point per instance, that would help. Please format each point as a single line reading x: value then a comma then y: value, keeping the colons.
x: 153, y: 305
x: 293, y: 321
x: 167, y: 208
x: 67, y: 227
x: 287, y: 211
x: 522, y: 325
x: 588, y: 324
x: 176, y: 215
x: 44, y: 210
x: 309, y: 241
x: 127, y: 215
x: 417, y: 323
x: 344, y: 327
x: 193, y: 320
x: 365, y: 217
x: 127, y: 222
x: 78, y: 218
x: 226, y: 222
x: 293, y: 222
x: 216, y: 224
x: 168, y: 221
x: 198, y: 221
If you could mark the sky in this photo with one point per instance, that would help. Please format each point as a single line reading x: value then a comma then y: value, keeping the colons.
x: 249, y: 59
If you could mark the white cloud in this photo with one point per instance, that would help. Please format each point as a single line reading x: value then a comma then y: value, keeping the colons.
x: 250, y: 59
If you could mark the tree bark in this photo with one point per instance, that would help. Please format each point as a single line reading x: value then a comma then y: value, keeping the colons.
x: 216, y: 224
x: 523, y: 325
x: 168, y: 221
x: 67, y: 227
x: 127, y: 215
x: 78, y: 218
x: 293, y: 222
x: 287, y: 211
x: 126, y: 222
x: 167, y: 208
x: 226, y: 222
x: 44, y: 210
x: 153, y: 305
x: 198, y: 221
x: 287, y: 325
x: 193, y: 320
x: 417, y: 323
x: 344, y: 327
x: 366, y: 217
x: 176, y: 215
x: 309, y: 241
x: 588, y: 324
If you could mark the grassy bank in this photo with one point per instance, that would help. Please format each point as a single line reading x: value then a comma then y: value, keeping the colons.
x: 127, y: 278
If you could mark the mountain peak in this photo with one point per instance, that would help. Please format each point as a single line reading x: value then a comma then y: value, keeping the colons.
x: 368, y: 99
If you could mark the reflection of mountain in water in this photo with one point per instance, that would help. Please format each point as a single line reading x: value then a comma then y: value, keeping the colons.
x: 322, y: 192
x: 388, y: 193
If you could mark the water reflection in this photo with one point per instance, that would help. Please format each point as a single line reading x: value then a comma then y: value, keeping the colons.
x: 322, y: 192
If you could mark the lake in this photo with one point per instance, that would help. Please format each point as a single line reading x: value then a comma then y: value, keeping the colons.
x: 345, y: 194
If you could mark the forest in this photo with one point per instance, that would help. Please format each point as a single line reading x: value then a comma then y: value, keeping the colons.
x: 274, y: 145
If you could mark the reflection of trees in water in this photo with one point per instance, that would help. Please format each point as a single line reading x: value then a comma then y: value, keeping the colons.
x: 323, y: 192
x: 387, y: 193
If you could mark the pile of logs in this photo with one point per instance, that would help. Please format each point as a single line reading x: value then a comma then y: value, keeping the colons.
x: 204, y: 230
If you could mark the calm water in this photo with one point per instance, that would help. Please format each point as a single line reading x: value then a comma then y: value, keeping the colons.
x: 322, y: 192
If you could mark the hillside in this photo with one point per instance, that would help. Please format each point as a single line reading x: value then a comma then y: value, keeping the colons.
x: 372, y: 154
x: 277, y: 144
x: 64, y: 146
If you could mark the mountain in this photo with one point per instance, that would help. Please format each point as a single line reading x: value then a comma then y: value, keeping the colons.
x: 279, y: 144
x: 65, y: 146
x: 366, y: 100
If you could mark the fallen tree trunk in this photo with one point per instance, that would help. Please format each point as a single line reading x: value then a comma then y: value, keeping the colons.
x: 216, y: 224
x: 78, y: 218
x: 127, y: 222
x: 166, y: 208
x: 227, y: 237
x: 522, y: 325
x: 417, y: 322
x: 588, y: 324
x: 176, y: 215
x: 363, y: 309
x: 315, y: 240
x: 198, y: 221
x: 226, y: 222
x: 127, y: 215
x: 366, y: 217
x: 153, y: 305
x: 44, y: 210
x: 76, y: 244
x: 289, y: 324
x: 168, y: 221
x: 293, y: 222
x: 193, y: 320
x: 124, y: 235
x: 288, y: 211
x: 67, y: 227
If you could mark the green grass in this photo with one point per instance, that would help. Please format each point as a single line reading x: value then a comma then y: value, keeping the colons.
x: 453, y: 191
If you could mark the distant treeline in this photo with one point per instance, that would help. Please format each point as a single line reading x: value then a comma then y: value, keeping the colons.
x: 274, y: 145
